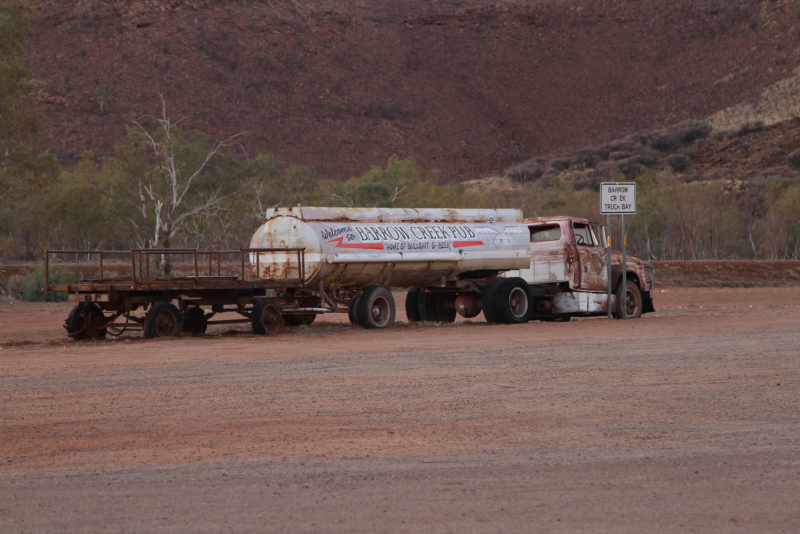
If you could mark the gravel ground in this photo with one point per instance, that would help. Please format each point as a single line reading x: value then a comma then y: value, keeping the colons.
x: 685, y: 420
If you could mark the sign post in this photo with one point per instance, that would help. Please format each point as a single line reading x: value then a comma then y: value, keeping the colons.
x: 608, y: 262
x: 618, y: 198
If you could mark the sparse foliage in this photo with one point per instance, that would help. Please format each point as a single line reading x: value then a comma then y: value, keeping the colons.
x: 101, y: 95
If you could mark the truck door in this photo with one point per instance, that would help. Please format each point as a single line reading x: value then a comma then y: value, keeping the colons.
x: 592, y: 258
x: 549, y: 250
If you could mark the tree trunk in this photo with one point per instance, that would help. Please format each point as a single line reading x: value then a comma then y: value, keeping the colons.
x: 166, y: 259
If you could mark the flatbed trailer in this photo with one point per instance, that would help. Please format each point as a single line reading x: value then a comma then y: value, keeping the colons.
x: 107, y: 303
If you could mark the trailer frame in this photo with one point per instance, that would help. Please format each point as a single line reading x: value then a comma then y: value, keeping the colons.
x: 242, y: 293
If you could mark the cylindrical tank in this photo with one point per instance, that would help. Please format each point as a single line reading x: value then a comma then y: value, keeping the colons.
x: 394, y: 247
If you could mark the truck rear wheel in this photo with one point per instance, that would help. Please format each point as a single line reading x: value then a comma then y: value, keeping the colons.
x: 163, y: 319
x: 375, y: 308
x: 412, y: 304
x: 436, y: 308
x: 632, y: 301
x: 266, y: 317
x: 513, y: 302
x: 488, y: 298
x: 76, y: 322
x: 351, y: 309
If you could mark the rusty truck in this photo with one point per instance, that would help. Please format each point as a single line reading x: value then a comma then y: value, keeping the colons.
x: 307, y: 261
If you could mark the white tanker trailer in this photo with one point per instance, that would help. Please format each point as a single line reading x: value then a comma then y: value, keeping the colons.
x: 450, y: 259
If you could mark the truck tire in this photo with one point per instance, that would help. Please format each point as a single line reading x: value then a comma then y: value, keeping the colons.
x: 266, y: 317
x: 488, y: 299
x: 375, y: 308
x: 163, y: 319
x: 513, y: 304
x: 194, y: 321
x: 633, y: 301
x: 412, y: 304
x: 298, y: 319
x: 351, y: 309
x: 436, y: 308
x: 75, y: 323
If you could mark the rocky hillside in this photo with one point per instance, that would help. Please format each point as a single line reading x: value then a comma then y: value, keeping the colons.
x: 469, y: 87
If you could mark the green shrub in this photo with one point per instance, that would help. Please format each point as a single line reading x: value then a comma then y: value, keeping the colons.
x: 32, y: 289
x: 678, y: 162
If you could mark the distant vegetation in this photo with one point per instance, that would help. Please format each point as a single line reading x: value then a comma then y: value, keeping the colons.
x: 165, y: 187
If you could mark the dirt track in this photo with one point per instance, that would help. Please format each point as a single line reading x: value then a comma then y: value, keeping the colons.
x: 685, y: 420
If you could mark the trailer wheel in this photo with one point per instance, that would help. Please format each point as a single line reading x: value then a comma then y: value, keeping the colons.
x: 437, y: 308
x: 163, y: 319
x: 194, y: 321
x: 376, y: 308
x: 351, y: 309
x: 266, y: 317
x: 75, y: 323
x: 488, y: 298
x: 632, y: 301
x: 298, y: 319
x: 513, y: 302
x: 412, y: 304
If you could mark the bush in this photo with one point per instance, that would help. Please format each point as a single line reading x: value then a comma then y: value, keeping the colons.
x: 32, y: 287
x: 528, y: 171
x: 560, y: 164
x: 678, y: 162
x: 793, y: 159
x: 750, y: 127
x: 680, y: 134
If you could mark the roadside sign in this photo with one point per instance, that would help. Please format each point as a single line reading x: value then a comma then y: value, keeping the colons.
x: 617, y: 198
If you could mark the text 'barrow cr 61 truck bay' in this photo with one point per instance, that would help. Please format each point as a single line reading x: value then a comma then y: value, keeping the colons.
x: 307, y: 261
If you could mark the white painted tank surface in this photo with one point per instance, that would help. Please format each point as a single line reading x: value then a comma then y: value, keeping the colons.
x: 354, y: 248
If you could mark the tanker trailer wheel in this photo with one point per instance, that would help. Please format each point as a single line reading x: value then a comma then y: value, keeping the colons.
x: 436, y: 308
x: 375, y: 308
x: 266, y: 317
x: 299, y: 319
x: 194, y: 321
x: 351, y: 309
x: 632, y: 301
x: 488, y: 298
x: 76, y: 322
x: 163, y: 319
x: 412, y: 304
x: 513, y: 302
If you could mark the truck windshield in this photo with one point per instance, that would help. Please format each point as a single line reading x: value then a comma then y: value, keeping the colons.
x: 584, y: 235
x: 545, y: 233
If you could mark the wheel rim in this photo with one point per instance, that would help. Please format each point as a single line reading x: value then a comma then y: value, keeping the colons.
x: 380, y: 311
x: 270, y: 318
x: 95, y: 327
x: 166, y: 323
x: 518, y: 302
x: 631, y: 305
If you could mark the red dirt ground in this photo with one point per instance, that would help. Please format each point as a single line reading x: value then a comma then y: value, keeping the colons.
x: 682, y: 420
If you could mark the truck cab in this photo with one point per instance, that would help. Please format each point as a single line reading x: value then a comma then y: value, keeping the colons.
x: 569, y: 269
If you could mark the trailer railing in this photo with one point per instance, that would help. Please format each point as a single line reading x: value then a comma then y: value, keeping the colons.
x: 200, y: 262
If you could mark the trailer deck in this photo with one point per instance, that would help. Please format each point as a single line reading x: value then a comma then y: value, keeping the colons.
x: 105, y: 297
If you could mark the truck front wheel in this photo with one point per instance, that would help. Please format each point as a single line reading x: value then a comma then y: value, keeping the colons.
x: 375, y: 308
x: 632, y: 301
